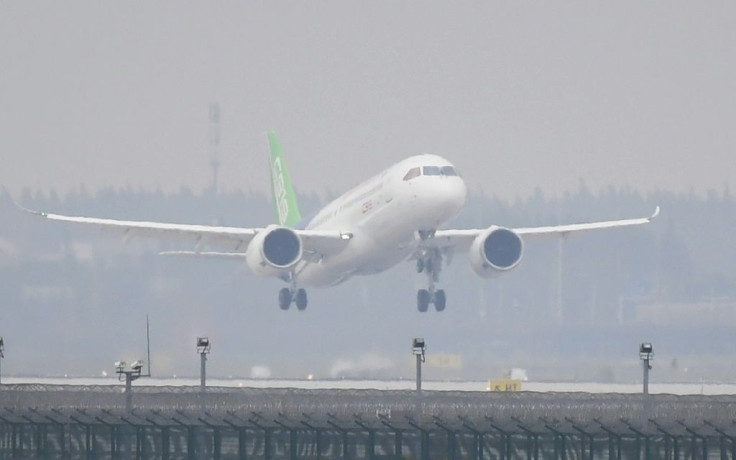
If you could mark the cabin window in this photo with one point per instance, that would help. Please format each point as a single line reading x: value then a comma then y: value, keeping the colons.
x: 412, y: 173
x: 431, y: 170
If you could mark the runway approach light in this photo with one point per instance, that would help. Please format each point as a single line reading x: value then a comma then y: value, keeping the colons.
x: 128, y: 375
x: 2, y: 354
x: 646, y: 354
x: 123, y: 371
x: 417, y: 348
x: 203, y: 347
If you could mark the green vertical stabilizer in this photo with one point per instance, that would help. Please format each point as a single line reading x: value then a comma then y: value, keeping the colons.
x: 284, y: 198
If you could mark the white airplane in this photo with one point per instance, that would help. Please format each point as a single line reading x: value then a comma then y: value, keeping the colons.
x: 390, y: 218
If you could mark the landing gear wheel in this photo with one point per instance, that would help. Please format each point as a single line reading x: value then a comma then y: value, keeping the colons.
x: 301, y: 299
x: 420, y: 265
x: 284, y: 298
x: 439, y: 300
x: 423, y: 299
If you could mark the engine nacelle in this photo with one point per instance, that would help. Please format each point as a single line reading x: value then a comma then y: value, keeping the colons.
x: 495, y: 251
x: 274, y: 250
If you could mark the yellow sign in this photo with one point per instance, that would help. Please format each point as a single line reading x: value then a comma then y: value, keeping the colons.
x: 505, y: 385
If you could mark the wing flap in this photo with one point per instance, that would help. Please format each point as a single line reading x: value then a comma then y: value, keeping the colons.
x: 205, y: 254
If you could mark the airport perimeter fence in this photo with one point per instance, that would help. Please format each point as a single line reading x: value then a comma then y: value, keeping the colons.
x: 180, y: 422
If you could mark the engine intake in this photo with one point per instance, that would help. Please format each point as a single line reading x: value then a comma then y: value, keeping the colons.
x: 274, y: 250
x: 282, y: 247
x: 495, y: 251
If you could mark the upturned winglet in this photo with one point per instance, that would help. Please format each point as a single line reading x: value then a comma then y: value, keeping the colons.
x: 30, y: 211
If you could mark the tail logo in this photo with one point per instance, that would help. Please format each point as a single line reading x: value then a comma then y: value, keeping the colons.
x: 279, y: 191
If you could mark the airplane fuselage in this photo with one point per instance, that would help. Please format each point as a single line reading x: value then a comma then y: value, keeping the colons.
x: 384, y: 214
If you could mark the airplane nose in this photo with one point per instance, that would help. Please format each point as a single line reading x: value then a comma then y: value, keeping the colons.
x: 443, y: 199
x: 458, y: 193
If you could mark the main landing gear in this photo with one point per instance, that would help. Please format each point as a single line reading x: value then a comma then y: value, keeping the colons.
x: 427, y: 296
x: 431, y: 263
x: 298, y: 296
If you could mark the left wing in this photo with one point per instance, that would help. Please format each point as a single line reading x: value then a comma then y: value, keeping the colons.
x: 462, y: 239
x: 565, y: 229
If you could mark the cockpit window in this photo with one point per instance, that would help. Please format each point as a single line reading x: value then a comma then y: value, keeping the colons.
x: 448, y: 171
x: 430, y: 171
x: 412, y: 173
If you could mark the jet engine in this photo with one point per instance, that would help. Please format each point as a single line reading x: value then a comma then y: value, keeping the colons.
x: 274, y: 250
x: 495, y: 251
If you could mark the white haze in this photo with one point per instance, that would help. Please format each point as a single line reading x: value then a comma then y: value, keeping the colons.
x: 520, y: 95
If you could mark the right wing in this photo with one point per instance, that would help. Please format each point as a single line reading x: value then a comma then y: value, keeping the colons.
x: 235, y: 240
x: 232, y: 238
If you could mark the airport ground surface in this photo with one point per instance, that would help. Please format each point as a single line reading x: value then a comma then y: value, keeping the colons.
x: 231, y: 422
x: 703, y: 388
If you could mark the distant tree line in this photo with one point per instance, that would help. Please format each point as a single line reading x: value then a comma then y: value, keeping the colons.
x: 81, y: 286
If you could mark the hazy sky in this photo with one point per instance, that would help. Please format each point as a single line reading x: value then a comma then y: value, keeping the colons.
x: 516, y: 94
